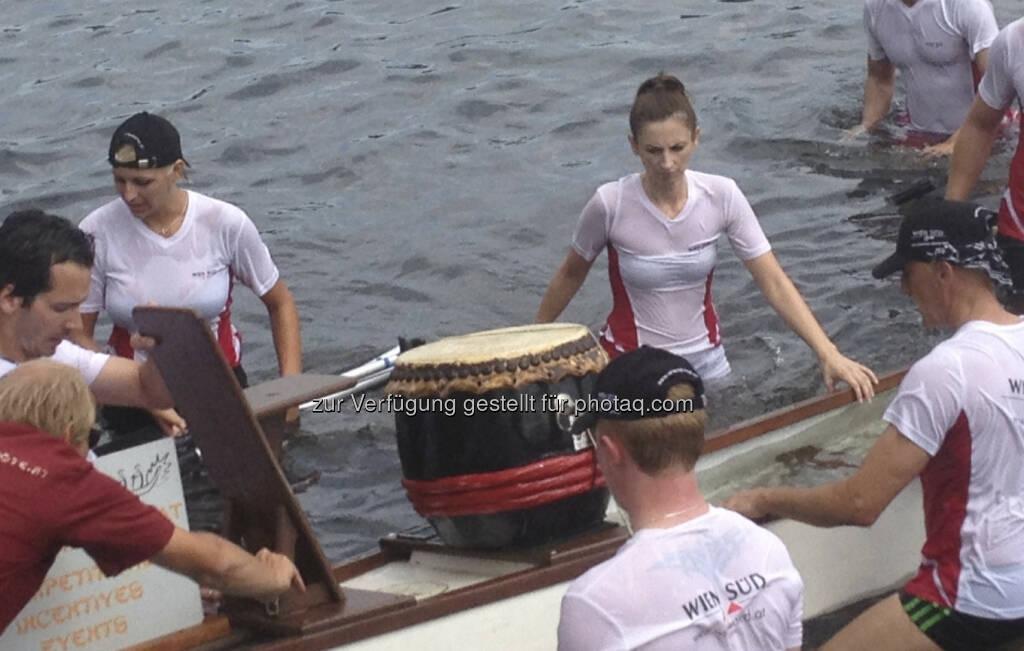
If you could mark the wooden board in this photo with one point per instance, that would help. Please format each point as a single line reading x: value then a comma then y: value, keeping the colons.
x: 261, y: 510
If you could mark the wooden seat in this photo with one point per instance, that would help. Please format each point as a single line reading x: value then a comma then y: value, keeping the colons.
x: 260, y: 509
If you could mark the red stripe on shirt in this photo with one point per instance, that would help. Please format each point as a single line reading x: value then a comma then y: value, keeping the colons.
x: 1007, y: 225
x: 622, y: 321
x: 120, y: 341
x: 229, y: 339
x: 945, y: 483
x: 710, y: 316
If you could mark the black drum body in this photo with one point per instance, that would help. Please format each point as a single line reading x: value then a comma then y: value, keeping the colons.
x: 433, y: 444
x: 488, y: 465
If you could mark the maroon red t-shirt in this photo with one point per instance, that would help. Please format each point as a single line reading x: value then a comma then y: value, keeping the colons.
x: 51, y: 497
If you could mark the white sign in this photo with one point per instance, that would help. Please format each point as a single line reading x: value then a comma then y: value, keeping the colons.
x: 78, y: 608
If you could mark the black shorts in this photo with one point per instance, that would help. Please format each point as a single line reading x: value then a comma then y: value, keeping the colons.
x: 956, y: 631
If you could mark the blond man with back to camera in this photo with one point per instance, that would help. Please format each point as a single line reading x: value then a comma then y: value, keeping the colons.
x: 693, y: 576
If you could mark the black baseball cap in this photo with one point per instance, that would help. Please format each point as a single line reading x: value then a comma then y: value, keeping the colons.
x: 145, y: 141
x: 635, y: 385
x: 957, y: 232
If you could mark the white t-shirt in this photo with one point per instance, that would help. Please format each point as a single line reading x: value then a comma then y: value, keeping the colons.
x: 1003, y: 84
x: 89, y: 363
x: 718, y: 581
x: 661, y: 269
x: 933, y: 44
x: 963, y: 404
x: 196, y: 267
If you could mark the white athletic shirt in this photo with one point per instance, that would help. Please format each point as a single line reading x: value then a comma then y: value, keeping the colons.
x: 963, y: 404
x: 660, y: 269
x: 196, y: 267
x: 718, y: 581
x: 1002, y: 85
x: 88, y: 362
x: 933, y: 44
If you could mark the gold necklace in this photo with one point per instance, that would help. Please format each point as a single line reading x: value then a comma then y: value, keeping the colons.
x: 167, y: 229
x: 164, y: 230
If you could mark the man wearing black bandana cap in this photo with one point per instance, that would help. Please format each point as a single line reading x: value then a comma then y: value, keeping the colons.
x: 693, y: 576
x: 957, y: 422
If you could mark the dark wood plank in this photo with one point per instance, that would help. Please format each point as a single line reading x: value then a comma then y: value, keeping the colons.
x: 358, y: 605
x: 235, y: 452
x: 441, y: 605
x: 396, y: 546
x: 285, y: 392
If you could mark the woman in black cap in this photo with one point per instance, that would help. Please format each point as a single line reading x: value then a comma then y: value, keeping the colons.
x: 159, y: 243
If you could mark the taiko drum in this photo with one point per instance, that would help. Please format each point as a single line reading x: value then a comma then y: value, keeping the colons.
x: 483, y: 453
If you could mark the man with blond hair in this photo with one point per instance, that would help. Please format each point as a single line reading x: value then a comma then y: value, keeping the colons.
x: 693, y: 576
x: 51, y: 497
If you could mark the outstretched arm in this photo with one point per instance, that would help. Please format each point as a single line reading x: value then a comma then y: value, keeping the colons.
x: 149, y: 391
x: 127, y: 383
x: 783, y: 296
x: 563, y: 286
x: 217, y: 563
x: 284, y: 324
x: 857, y: 500
x: 973, y: 147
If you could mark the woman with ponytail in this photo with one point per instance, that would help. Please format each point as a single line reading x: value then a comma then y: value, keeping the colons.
x: 660, y: 228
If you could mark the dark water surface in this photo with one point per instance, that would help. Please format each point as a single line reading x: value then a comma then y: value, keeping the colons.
x: 417, y: 168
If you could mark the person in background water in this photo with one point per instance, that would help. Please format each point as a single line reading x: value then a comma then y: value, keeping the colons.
x: 54, y: 498
x: 957, y: 422
x: 661, y: 229
x: 44, y: 277
x: 1000, y: 88
x: 937, y: 45
x: 692, y: 576
x: 160, y: 244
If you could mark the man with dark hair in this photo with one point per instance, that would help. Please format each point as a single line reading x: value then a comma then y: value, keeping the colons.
x: 44, y: 276
x: 957, y: 422
x: 693, y: 576
x: 33, y: 242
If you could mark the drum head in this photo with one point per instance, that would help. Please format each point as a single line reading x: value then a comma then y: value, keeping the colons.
x: 498, y: 359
